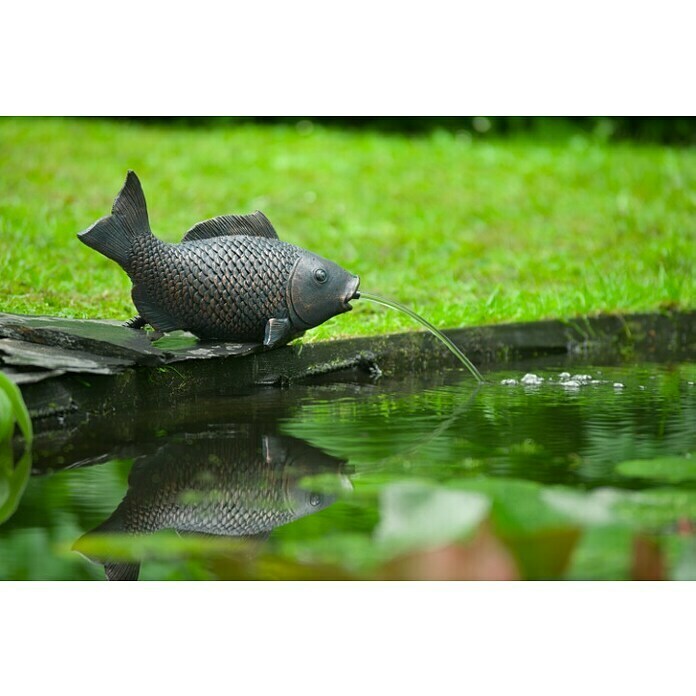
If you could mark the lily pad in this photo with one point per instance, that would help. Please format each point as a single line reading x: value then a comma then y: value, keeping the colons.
x: 420, y: 516
x: 668, y: 469
x: 540, y: 535
x: 656, y: 508
x: 584, y: 508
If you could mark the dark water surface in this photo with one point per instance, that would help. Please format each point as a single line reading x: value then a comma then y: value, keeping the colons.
x: 436, y: 478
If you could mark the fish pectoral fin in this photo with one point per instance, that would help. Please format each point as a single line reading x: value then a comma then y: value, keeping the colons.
x: 253, y: 225
x: 277, y: 332
x: 273, y: 449
x: 158, y: 318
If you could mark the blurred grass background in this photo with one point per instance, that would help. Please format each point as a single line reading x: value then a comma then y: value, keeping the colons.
x: 468, y: 221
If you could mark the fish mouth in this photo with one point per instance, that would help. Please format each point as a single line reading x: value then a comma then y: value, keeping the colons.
x: 352, y: 293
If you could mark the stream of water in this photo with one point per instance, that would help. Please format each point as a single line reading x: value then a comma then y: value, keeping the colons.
x: 436, y: 332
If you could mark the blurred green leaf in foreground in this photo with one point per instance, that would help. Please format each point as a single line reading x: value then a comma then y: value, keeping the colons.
x: 13, y: 478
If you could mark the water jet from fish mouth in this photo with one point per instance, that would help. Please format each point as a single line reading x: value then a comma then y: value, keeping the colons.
x: 438, y: 334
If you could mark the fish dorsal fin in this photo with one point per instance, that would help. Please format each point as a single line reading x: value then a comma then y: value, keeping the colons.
x: 253, y: 225
x: 122, y: 571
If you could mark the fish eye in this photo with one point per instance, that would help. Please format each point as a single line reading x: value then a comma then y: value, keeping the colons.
x: 320, y: 275
x: 314, y: 499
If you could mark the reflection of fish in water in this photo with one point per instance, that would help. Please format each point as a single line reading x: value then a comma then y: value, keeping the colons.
x: 232, y: 486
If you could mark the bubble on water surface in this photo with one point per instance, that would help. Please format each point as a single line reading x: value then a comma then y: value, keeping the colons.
x: 508, y: 382
x: 531, y: 378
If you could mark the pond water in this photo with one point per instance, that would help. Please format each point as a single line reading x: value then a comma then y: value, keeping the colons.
x: 553, y: 477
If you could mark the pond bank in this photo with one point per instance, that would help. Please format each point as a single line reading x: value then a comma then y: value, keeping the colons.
x: 68, y: 365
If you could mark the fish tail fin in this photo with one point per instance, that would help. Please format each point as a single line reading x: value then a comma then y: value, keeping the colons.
x: 114, y: 234
x: 114, y: 569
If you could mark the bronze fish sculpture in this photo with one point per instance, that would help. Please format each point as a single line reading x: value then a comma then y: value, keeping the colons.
x: 241, y: 484
x: 230, y: 278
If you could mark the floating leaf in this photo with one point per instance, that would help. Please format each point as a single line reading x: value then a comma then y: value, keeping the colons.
x: 544, y: 554
x: 685, y: 566
x: 518, y: 506
x: 593, y: 508
x: 604, y: 552
x: 669, y: 469
x: 420, y: 516
x: 483, y: 557
x: 657, y: 507
x: 540, y: 536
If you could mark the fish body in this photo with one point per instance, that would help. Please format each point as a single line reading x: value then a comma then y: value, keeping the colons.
x: 241, y: 486
x: 228, y: 487
x: 231, y: 277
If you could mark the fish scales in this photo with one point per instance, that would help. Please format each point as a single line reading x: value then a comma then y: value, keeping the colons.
x: 225, y: 499
x: 230, y: 278
x: 221, y: 287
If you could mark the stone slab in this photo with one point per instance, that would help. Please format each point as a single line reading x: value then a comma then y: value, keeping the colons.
x: 82, y: 366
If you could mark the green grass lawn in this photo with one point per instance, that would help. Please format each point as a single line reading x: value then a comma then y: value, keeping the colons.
x: 464, y: 232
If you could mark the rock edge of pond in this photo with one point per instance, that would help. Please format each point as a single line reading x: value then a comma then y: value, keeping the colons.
x: 69, y: 364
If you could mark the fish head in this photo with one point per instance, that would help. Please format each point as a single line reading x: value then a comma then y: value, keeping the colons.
x: 305, y: 501
x: 299, y: 460
x: 318, y: 289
